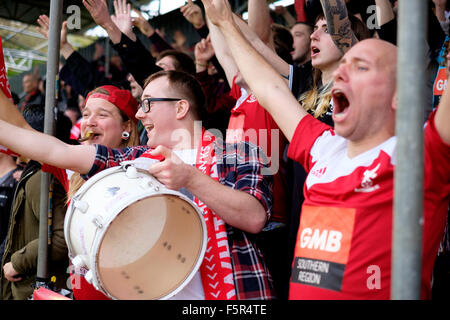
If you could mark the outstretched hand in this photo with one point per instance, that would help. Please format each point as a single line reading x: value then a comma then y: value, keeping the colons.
x: 440, y: 3
x: 10, y: 273
x: 122, y: 18
x: 193, y: 14
x: 204, y: 50
x: 44, y: 26
x: 218, y: 11
x: 98, y: 9
x: 142, y: 24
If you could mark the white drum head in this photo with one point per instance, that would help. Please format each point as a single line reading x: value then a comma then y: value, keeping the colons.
x: 150, y: 249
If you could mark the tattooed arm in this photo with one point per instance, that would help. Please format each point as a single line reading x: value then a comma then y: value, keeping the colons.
x: 339, y: 24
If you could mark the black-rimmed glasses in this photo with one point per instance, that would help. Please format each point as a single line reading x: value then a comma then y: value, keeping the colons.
x: 147, y: 102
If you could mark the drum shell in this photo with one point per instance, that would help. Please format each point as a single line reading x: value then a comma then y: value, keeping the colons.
x: 108, y: 194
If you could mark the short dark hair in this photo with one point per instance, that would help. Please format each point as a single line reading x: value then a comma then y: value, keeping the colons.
x: 305, y: 23
x: 283, y: 41
x: 34, y: 114
x: 187, y: 87
x: 15, y: 97
x: 183, y: 62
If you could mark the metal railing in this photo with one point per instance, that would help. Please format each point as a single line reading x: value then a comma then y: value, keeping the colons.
x: 408, y: 180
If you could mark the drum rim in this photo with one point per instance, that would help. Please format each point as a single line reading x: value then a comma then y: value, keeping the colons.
x: 98, y: 240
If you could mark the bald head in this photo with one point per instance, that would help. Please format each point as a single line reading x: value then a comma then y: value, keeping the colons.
x: 29, y: 83
x: 383, y: 52
x: 364, y: 92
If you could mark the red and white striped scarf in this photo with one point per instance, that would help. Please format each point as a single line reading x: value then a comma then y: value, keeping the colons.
x: 216, y: 270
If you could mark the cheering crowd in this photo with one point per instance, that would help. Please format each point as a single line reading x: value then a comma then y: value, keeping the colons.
x: 299, y: 123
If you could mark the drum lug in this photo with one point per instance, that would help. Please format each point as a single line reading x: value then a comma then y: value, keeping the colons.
x: 98, y: 222
x: 145, y: 184
x: 131, y: 172
x: 83, y: 206
x: 79, y: 262
x: 89, y: 276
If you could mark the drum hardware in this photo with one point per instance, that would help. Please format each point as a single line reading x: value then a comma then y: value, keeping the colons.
x: 79, y: 262
x: 81, y: 205
x: 98, y: 222
x: 89, y: 276
x: 136, y: 242
x: 131, y: 172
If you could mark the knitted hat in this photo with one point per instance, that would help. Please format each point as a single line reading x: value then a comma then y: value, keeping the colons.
x: 122, y: 99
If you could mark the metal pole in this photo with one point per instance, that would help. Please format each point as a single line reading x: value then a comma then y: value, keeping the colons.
x: 408, y: 178
x: 108, y: 46
x: 50, y: 103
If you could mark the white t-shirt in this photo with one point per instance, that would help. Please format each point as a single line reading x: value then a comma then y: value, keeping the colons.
x: 194, y: 289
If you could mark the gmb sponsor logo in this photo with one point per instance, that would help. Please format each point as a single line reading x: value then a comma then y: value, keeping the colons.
x: 441, y: 85
x: 325, y: 240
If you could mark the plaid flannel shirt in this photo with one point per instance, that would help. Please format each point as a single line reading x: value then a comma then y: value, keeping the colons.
x: 239, y: 167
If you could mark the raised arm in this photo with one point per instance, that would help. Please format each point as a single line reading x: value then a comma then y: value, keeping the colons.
x: 65, y: 47
x: 136, y: 58
x: 225, y: 57
x: 338, y: 24
x: 268, y: 86
x: 122, y: 18
x: 259, y: 20
x: 193, y: 14
x: 440, y: 14
x: 223, y: 53
x: 268, y: 53
x: 100, y: 13
x: 440, y: 9
x: 9, y: 113
x: 288, y: 18
x: 386, y: 13
x: 42, y: 147
x: 78, y: 72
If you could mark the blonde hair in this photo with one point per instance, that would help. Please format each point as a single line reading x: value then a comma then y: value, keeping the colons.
x: 317, y: 100
x: 76, y: 181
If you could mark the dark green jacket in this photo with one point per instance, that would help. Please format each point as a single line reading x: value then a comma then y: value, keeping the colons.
x: 21, y: 246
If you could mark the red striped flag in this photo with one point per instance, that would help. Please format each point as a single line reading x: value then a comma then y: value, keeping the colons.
x: 4, y: 85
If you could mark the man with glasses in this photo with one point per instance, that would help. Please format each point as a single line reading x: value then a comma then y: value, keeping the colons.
x: 225, y: 180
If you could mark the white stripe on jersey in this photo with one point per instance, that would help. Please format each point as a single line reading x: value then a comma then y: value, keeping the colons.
x: 329, y: 156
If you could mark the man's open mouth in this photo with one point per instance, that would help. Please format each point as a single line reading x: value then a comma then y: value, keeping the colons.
x: 340, y: 103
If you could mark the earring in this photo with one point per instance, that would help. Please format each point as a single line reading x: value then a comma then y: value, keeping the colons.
x: 125, y: 135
